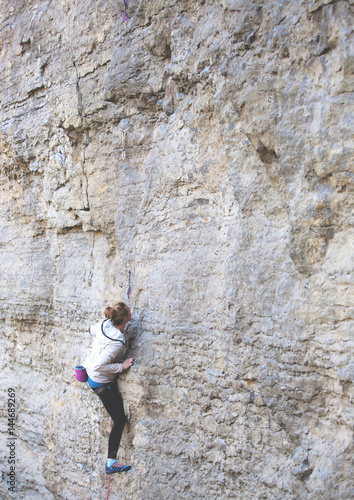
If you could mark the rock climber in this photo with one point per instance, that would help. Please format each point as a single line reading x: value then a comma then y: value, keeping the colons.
x: 102, y: 366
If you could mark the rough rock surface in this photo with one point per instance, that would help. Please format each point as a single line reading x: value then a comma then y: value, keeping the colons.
x: 233, y: 210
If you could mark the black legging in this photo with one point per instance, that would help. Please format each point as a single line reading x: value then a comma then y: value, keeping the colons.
x: 112, y: 401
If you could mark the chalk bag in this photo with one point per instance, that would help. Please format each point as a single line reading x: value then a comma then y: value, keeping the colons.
x: 80, y: 374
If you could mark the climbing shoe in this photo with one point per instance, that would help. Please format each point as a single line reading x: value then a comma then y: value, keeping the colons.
x: 115, y: 467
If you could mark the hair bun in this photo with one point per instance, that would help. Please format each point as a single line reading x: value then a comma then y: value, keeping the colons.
x: 116, y: 313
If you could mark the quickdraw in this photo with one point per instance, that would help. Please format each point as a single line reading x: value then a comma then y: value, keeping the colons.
x: 128, y: 291
x: 125, y: 16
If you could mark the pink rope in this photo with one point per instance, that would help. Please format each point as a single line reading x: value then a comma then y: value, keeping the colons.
x: 109, y: 481
x: 109, y: 477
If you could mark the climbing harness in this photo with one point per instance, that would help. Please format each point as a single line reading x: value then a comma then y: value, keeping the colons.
x: 128, y: 291
x: 125, y: 16
x: 123, y: 140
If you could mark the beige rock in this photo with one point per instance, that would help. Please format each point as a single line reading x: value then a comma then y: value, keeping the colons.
x: 233, y: 210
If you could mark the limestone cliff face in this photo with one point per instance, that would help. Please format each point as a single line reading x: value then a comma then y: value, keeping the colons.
x: 233, y: 211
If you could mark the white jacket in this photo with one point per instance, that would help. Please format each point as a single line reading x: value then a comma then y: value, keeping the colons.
x: 108, y: 349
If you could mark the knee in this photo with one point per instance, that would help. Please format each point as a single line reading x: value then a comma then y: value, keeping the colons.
x: 120, y: 421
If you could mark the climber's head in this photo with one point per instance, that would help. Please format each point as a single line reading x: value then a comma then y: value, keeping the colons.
x: 119, y: 313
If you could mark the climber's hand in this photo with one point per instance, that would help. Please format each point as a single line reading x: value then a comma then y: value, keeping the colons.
x: 127, y: 363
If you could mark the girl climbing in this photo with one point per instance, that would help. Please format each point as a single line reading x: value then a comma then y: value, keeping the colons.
x: 103, y: 365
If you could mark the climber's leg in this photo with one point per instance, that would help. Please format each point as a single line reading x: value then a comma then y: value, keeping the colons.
x: 112, y: 401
